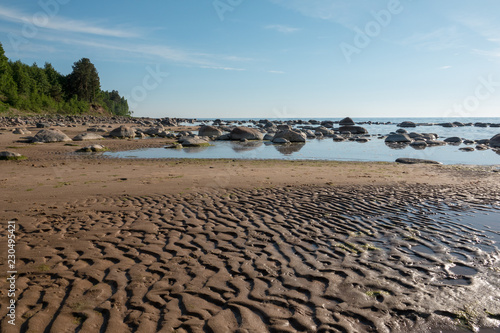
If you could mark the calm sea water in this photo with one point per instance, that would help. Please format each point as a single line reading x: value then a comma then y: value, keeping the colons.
x: 326, y: 149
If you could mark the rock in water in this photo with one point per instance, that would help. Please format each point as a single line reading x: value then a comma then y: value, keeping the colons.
x: 290, y: 135
x: 347, y: 122
x: 415, y: 161
x: 353, y: 129
x: 50, y: 135
x: 193, y: 141
x: 122, y: 132
x: 398, y: 138
x: 209, y: 131
x: 407, y: 124
x: 495, y: 141
x: 243, y: 132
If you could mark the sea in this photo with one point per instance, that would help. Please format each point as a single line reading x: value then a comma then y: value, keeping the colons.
x: 475, y: 128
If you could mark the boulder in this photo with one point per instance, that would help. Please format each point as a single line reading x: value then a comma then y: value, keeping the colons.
x: 155, y: 131
x: 338, y: 138
x: 21, y: 131
x: 415, y: 161
x: 8, y: 155
x: 323, y: 130
x: 122, y: 132
x: 418, y: 144
x: 495, y: 141
x: 347, y: 122
x: 453, y: 139
x: 194, y: 141
x: 50, y: 135
x: 209, y: 131
x: 243, y: 132
x: 353, y: 129
x: 87, y: 136
x: 290, y: 135
x: 467, y: 149
x: 407, y: 124
x: 398, y: 138
x: 42, y: 125
x: 435, y: 143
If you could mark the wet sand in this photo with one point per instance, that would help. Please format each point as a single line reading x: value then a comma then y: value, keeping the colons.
x: 245, y: 246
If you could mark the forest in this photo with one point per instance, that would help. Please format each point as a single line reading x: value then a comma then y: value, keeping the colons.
x: 36, y: 90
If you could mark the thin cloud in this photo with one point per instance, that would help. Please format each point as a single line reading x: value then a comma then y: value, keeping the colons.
x: 440, y: 39
x: 276, y: 72
x: 61, y: 24
x: 224, y: 68
x: 445, y: 67
x: 282, y: 28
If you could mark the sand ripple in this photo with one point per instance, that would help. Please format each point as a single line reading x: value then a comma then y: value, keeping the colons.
x: 364, y: 259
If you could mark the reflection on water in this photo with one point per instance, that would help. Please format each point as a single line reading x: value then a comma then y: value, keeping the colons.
x: 240, y: 147
x: 290, y: 148
x: 194, y: 150
x: 397, y: 145
x: 325, y: 149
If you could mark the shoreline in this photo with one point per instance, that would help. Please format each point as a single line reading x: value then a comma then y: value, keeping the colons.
x: 194, y: 244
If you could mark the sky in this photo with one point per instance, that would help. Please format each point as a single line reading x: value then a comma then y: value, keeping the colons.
x: 272, y: 58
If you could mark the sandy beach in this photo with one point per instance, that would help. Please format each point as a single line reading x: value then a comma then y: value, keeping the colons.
x: 110, y: 245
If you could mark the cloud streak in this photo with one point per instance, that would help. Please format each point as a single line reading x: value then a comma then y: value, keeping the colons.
x: 282, y: 28
x: 62, y: 24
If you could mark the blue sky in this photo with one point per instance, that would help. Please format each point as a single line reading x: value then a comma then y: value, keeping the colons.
x: 273, y: 58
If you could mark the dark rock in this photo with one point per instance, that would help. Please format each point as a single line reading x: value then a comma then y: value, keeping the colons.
x: 454, y: 139
x: 495, y: 141
x: 398, y: 138
x: 353, y: 129
x: 347, y: 122
x: 407, y: 124
x: 416, y: 161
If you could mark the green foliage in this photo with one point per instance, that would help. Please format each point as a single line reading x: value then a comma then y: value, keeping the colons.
x: 84, y: 81
x: 45, y: 90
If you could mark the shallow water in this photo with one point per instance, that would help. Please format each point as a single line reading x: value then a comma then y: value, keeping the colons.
x: 314, y: 149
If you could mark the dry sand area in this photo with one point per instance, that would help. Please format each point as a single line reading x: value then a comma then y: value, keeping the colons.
x: 106, y: 245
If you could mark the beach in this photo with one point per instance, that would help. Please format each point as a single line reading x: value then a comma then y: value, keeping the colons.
x: 229, y: 245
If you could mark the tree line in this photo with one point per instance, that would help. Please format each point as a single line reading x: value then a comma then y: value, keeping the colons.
x: 45, y: 90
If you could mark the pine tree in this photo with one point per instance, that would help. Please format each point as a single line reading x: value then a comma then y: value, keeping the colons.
x: 84, y: 81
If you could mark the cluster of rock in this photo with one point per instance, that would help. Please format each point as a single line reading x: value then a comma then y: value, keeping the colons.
x: 73, y: 121
x: 402, y: 138
x: 282, y: 133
